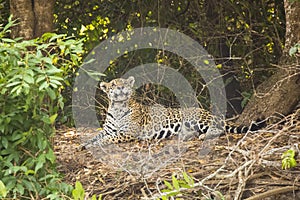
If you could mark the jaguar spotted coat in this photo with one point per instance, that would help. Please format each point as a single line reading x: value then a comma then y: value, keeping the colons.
x: 128, y: 120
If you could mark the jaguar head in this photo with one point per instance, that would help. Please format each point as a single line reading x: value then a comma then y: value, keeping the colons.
x: 119, y: 89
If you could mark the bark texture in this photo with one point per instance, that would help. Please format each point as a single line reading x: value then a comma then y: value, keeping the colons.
x: 281, y: 92
x: 22, y: 10
x: 43, y: 10
x: 35, y: 17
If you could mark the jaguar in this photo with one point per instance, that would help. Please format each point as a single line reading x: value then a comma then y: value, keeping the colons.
x: 128, y: 120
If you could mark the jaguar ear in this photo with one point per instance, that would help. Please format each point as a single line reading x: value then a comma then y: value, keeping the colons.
x: 103, y: 86
x: 131, y: 80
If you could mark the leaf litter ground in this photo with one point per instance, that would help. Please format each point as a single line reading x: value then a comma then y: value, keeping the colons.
x: 235, y: 167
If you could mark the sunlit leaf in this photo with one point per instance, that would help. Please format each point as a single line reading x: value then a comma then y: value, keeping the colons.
x: 28, y: 78
x: 168, y: 184
x: 13, y: 83
x: 3, y: 191
x: 175, y: 182
x: 52, y: 118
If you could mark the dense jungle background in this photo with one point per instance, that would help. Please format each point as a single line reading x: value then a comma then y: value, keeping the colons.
x: 255, y: 46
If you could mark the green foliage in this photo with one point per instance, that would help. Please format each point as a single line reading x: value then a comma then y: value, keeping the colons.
x: 3, y: 191
x: 243, y: 36
x: 33, y: 74
x: 249, y: 31
x: 295, y: 49
x: 246, y: 98
x: 178, y: 186
x: 288, y: 159
x: 173, y: 189
x: 78, y: 192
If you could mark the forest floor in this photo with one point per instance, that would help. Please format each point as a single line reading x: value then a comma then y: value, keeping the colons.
x: 229, y: 167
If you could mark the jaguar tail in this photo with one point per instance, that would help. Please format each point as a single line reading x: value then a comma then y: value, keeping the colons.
x: 254, y: 126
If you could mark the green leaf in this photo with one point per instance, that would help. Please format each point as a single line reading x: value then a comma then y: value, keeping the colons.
x: 28, y: 78
x: 29, y: 172
x: 53, y: 70
x: 164, y: 198
x: 293, y: 50
x: 293, y: 162
x: 10, y: 182
x: 48, y: 61
x: 55, y: 82
x: 53, y: 85
x: 28, y: 185
x: 288, y: 159
x: 51, y: 93
x: 41, y: 161
x: 38, y: 166
x: 4, y: 142
x: 175, y: 182
x: 10, y: 24
x: 55, y: 37
x: 43, y: 86
x: 46, y: 36
x: 94, y: 74
x: 173, y: 194
x: 78, y: 192
x: 3, y: 191
x: 168, y: 184
x: 184, y: 185
x: 20, y: 189
x: 13, y: 83
x: 52, y: 118
x: 39, y: 79
x: 56, y: 78
x: 46, y: 119
x: 51, y: 156
x: 16, y: 136
x: 188, y: 179
x: 42, y: 144
x: 8, y: 40
x: 289, y: 153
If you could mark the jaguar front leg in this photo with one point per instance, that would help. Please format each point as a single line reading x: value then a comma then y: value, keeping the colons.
x: 103, y: 139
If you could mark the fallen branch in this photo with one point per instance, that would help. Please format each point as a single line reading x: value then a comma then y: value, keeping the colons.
x: 273, y: 192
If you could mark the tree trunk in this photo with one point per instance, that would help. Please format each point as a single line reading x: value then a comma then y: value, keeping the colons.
x: 35, y: 17
x: 43, y: 10
x: 281, y: 92
x: 22, y: 10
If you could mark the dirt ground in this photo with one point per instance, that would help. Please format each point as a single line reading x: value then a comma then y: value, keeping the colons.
x: 230, y: 167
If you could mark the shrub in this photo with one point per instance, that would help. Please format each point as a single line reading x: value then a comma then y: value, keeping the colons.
x: 32, y: 76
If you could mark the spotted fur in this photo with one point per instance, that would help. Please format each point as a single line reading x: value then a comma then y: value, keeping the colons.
x: 128, y: 120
